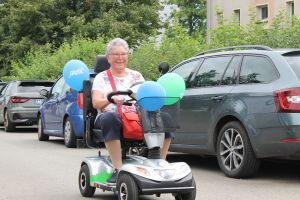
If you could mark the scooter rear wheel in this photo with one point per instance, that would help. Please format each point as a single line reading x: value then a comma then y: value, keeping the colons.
x: 85, y: 188
x: 127, y: 188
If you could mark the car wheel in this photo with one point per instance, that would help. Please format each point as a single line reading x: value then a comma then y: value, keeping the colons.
x: 127, y: 188
x: 187, y: 195
x: 234, y: 152
x: 85, y: 188
x: 8, y: 125
x: 69, y: 136
x: 41, y: 135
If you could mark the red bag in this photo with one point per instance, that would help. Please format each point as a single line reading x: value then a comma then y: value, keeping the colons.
x: 132, y: 128
x: 131, y: 123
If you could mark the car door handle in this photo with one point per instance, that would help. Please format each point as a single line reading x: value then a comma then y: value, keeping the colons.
x: 217, y: 98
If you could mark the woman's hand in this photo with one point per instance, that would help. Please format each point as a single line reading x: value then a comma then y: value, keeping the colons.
x: 119, y: 100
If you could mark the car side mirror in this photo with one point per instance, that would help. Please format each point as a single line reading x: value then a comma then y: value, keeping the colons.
x: 163, y: 67
x: 44, y: 93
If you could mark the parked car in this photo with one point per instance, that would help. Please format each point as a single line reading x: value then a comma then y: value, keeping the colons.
x: 61, y: 114
x: 19, y: 103
x: 241, y: 104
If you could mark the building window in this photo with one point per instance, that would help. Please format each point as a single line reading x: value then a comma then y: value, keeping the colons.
x: 237, y: 15
x: 290, y: 8
x: 262, y: 12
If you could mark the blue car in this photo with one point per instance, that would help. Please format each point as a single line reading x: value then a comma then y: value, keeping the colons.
x: 61, y: 114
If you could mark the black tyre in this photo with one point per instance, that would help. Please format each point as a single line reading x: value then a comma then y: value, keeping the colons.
x: 85, y: 188
x: 41, y: 135
x: 234, y: 152
x: 69, y: 136
x: 127, y: 188
x: 188, y: 195
x: 8, y: 125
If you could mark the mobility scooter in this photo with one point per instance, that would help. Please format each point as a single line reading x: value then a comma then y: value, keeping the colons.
x: 143, y: 171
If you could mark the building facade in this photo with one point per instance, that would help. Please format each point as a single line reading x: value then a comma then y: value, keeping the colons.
x: 265, y: 10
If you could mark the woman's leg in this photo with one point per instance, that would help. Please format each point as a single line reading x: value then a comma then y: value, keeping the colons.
x: 114, y: 149
x: 164, y: 150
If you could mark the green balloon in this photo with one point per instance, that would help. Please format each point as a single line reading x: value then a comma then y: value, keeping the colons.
x: 174, y: 86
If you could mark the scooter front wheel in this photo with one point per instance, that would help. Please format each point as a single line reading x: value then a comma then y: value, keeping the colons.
x: 127, y: 188
x: 188, y: 195
x: 85, y: 188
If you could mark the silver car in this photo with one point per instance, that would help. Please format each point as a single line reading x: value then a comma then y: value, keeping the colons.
x: 20, y: 101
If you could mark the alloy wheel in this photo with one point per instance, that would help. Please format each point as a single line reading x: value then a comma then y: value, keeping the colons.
x: 231, y: 149
x: 67, y: 131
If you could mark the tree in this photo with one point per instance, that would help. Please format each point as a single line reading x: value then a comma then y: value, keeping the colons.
x: 27, y: 24
x: 191, y: 14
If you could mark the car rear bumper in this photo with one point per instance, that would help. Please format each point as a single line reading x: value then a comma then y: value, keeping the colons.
x: 24, y: 116
x: 281, y: 140
x: 77, y: 123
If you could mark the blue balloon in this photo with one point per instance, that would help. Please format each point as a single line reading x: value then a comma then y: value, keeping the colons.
x: 74, y: 73
x: 151, y: 96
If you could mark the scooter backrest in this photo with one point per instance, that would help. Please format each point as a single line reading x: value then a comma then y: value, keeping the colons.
x: 101, y: 64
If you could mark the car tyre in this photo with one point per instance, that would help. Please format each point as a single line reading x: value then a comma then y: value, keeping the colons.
x: 127, y: 187
x: 235, y: 155
x: 69, y: 135
x: 41, y: 135
x: 187, y: 195
x: 8, y: 125
x: 85, y: 187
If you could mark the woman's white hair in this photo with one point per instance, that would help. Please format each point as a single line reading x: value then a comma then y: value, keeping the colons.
x: 116, y: 42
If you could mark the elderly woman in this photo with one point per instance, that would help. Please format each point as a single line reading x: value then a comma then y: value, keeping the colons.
x: 108, y: 118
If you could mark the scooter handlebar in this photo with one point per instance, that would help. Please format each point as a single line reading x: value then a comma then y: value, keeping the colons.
x: 127, y: 92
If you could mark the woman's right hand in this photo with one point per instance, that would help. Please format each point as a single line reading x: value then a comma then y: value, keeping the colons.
x: 119, y: 100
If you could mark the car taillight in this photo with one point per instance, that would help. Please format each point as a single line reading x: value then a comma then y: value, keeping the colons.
x: 287, y: 100
x: 15, y: 99
x: 80, y: 100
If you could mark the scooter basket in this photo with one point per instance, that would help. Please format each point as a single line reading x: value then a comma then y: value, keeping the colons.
x: 165, y: 119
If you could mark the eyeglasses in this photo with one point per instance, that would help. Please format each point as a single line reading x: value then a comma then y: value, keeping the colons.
x: 117, y: 55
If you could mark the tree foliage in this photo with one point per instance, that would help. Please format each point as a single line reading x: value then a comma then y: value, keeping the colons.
x: 191, y: 14
x: 27, y: 24
x: 176, y: 45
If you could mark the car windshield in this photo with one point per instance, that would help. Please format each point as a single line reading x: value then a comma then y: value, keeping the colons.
x: 294, y: 61
x: 34, y: 86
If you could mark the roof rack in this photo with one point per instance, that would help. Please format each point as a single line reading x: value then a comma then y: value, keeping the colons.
x: 257, y: 47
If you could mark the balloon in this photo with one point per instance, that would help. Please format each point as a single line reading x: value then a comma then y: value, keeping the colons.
x: 174, y: 86
x: 74, y: 73
x: 150, y: 96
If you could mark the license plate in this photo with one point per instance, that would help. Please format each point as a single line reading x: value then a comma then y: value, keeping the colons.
x: 38, y: 101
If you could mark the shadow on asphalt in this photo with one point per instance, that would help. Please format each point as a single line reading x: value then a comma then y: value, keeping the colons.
x: 23, y: 129
x: 284, y: 170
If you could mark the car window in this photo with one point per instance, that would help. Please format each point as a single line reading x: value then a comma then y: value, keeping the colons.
x: 33, y: 86
x: 257, y: 69
x: 229, y: 76
x: 294, y: 62
x: 185, y: 70
x: 10, y: 88
x: 211, y: 71
x: 57, y: 88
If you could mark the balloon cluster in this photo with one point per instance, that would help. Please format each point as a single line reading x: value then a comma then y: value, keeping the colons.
x: 74, y: 73
x: 168, y: 89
